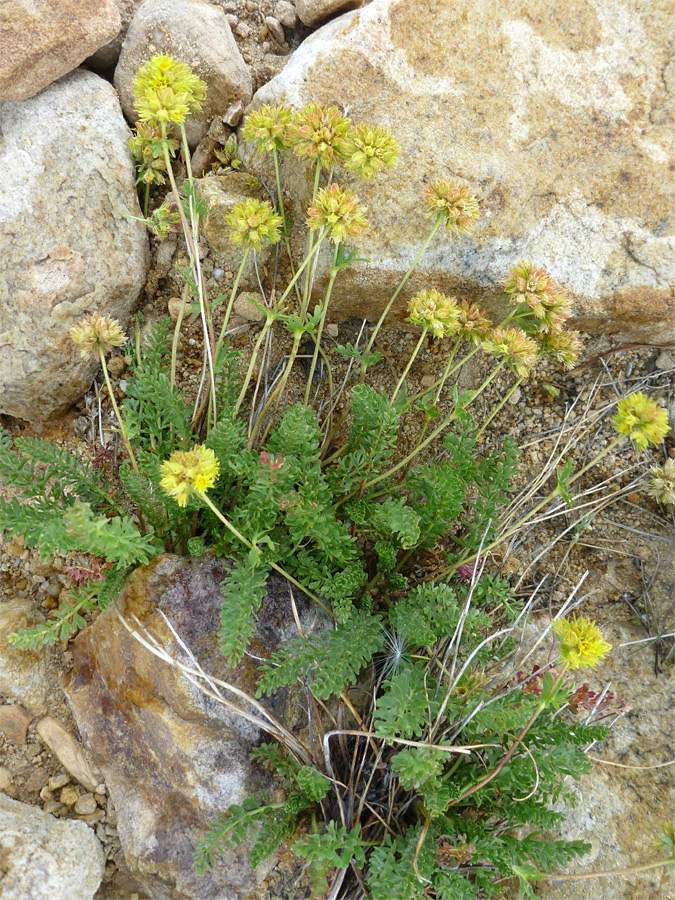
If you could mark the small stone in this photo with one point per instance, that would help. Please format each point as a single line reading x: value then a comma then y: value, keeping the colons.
x: 68, y: 751
x: 86, y: 805
x: 232, y: 20
x: 246, y: 309
x: 243, y: 29
x: 332, y: 330
x: 52, y: 806
x: 233, y: 114
x: 6, y: 782
x: 116, y: 366
x: 266, y: 46
x: 286, y: 14
x: 38, y: 779
x: 14, y: 722
x: 426, y: 381
x: 313, y: 12
x: 635, y: 498
x: 69, y: 795
x: 644, y: 552
x: 46, y: 794
x: 275, y: 29
x: 514, y: 399
x: 174, y: 305
x: 92, y: 818
x: 665, y: 361
x: 100, y: 790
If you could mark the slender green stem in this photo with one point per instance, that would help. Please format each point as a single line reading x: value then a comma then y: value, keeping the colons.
x: 582, y: 876
x: 230, y: 304
x: 412, y: 359
x: 120, y: 420
x: 245, y: 541
x: 249, y: 372
x: 317, y: 343
x: 310, y: 241
x: 282, y: 210
x: 146, y: 199
x: 385, y: 311
x: 501, y: 403
x: 176, y: 335
x: 278, y: 390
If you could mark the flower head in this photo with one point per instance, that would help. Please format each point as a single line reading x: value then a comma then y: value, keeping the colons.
x: 533, y: 287
x: 267, y: 128
x: 371, y: 149
x: 163, y: 220
x: 434, y: 310
x: 189, y: 471
x: 253, y: 222
x: 519, y: 351
x: 563, y: 347
x: 145, y: 147
x: 338, y: 210
x: 580, y: 642
x: 640, y: 418
x: 662, y: 483
x: 97, y: 334
x: 166, y: 90
x: 320, y: 133
x: 475, y: 324
x: 455, y: 202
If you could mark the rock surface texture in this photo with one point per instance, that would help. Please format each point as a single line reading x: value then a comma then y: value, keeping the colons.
x: 67, y: 244
x: 313, y: 12
x: 174, y: 759
x: 107, y: 56
x: 43, y: 858
x: 198, y: 34
x: 41, y: 40
x: 561, y: 120
x: 23, y: 673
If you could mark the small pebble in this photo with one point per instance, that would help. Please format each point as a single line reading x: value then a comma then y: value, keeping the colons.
x: 46, y: 794
x: 243, y: 30
x: 218, y: 274
x: 6, y: 781
x: 69, y: 795
x: 86, y: 805
x: 116, y: 365
x: 332, y: 330
x: 514, y: 399
x: 52, y: 806
x: 665, y: 361
x: 275, y: 29
x: 248, y: 310
x: 286, y: 14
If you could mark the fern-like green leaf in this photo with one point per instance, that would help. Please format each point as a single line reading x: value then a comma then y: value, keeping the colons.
x: 243, y: 592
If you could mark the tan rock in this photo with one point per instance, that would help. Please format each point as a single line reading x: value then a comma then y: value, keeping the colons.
x: 14, y: 722
x: 41, y: 40
x: 23, y: 673
x: 108, y: 55
x: 248, y: 310
x: 559, y: 118
x: 314, y: 12
x: 69, y: 795
x: 198, y: 34
x: 68, y: 751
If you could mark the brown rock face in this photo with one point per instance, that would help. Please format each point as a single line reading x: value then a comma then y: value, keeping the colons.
x: 41, y: 40
x: 173, y: 759
x: 559, y: 117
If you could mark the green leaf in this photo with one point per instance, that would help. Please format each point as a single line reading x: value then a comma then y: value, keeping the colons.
x: 312, y: 783
x: 243, y: 591
x: 406, y: 704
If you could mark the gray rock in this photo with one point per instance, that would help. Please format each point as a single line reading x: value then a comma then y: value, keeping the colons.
x: 67, y: 244
x: 314, y: 12
x: 23, y: 673
x: 286, y: 13
x: 14, y: 722
x: 173, y: 758
x: 44, y: 858
x: 41, y: 40
x: 107, y: 56
x: 275, y: 29
x: 559, y: 120
x: 199, y: 35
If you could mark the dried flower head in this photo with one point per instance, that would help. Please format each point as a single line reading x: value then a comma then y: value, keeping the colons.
x: 371, y: 149
x: 164, y: 220
x: 340, y: 211
x: 166, y: 90
x: 580, y: 642
x: 145, y: 147
x: 434, y: 310
x: 267, y: 128
x: 662, y: 483
x: 640, y: 418
x: 189, y: 471
x: 533, y: 287
x: 563, y: 347
x: 321, y: 133
x: 475, y: 324
x: 97, y: 334
x: 254, y: 222
x: 519, y: 351
x: 455, y: 202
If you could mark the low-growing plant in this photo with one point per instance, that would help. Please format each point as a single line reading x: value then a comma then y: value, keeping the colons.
x: 445, y: 780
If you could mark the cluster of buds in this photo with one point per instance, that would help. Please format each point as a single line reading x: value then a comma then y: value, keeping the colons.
x: 267, y: 128
x: 641, y: 419
x: 518, y: 350
x: 339, y: 211
x: 320, y: 133
x: 253, y: 223
x: 145, y: 147
x: 580, y: 641
x: 371, y: 150
x: 476, y: 326
x: 96, y: 335
x: 436, y: 312
x: 189, y: 472
x: 662, y: 483
x: 454, y: 201
x: 167, y: 91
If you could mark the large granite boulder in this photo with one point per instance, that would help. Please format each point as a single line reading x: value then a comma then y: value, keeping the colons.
x: 559, y: 117
x: 41, y: 40
x: 198, y: 34
x: 43, y: 858
x: 68, y: 242
x: 107, y: 56
x: 174, y: 759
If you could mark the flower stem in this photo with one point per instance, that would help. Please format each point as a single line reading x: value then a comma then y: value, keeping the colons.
x: 249, y: 372
x: 120, y: 421
x: 498, y: 407
x: 408, y: 366
x: 317, y: 343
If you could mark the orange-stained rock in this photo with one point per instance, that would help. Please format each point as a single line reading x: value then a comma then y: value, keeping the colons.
x: 172, y: 758
x: 559, y: 116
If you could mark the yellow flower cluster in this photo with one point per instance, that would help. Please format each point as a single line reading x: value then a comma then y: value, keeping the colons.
x: 435, y: 311
x: 166, y: 90
x: 320, y: 133
x: 519, y: 351
x: 580, y: 642
x: 455, y: 202
x: 267, y: 128
x: 526, y: 284
x: 662, y: 483
x: 475, y: 324
x: 189, y: 471
x: 371, y: 149
x: 641, y: 419
x: 340, y: 211
x: 97, y: 334
x: 143, y: 146
x: 253, y: 223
